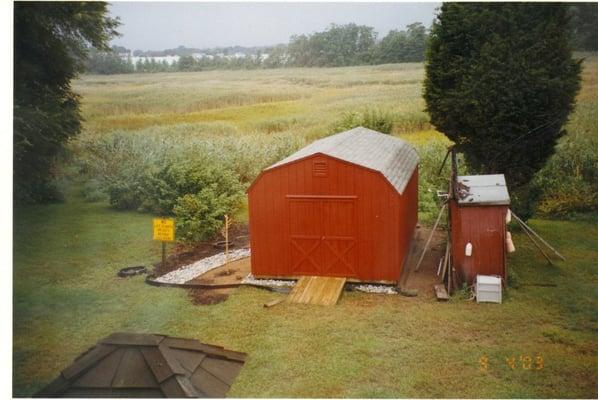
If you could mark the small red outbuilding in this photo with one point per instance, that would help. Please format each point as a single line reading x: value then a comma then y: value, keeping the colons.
x: 478, y: 218
x: 343, y: 206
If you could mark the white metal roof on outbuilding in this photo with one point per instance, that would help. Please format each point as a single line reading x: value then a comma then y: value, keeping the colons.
x: 484, y: 190
x: 393, y: 157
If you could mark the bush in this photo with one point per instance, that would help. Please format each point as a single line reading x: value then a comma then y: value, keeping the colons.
x: 198, y: 179
x: 92, y: 191
x: 377, y: 120
x: 349, y: 120
x: 163, y: 188
x: 200, y: 216
x: 524, y: 199
x: 431, y: 155
x: 569, y: 181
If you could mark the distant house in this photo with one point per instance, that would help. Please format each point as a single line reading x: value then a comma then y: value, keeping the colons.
x: 124, y: 55
x: 158, y: 59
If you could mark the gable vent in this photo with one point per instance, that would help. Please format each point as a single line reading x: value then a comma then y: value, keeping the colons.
x: 320, y: 168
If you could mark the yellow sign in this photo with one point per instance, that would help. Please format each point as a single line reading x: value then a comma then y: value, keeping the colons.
x: 164, y: 229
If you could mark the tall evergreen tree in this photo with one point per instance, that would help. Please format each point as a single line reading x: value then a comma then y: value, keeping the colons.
x: 51, y: 41
x: 584, y: 23
x: 501, y: 82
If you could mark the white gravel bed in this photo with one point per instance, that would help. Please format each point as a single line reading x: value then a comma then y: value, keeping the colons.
x: 381, y: 289
x: 250, y: 279
x: 376, y: 289
x: 188, y: 272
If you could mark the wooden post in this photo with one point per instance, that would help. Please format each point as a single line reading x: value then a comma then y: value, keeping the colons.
x: 445, y: 261
x: 226, y: 239
x: 454, y: 174
x: 227, y: 223
x: 163, y: 254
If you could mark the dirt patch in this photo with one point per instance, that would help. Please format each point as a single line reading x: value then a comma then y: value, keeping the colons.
x: 232, y: 273
x: 184, y: 254
x: 425, y: 278
x: 203, y: 297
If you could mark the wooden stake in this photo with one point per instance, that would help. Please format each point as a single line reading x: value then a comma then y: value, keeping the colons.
x: 446, y: 259
x: 273, y: 303
x: 227, y: 223
x: 226, y: 239
x: 559, y: 255
x: 430, y: 238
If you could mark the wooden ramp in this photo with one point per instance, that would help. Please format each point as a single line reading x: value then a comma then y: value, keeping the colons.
x: 321, y: 290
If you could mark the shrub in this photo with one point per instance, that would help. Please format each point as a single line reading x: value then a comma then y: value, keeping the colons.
x: 202, y: 177
x: 569, y: 181
x: 525, y: 199
x: 349, y: 120
x: 377, y: 120
x: 431, y: 155
x: 200, y: 216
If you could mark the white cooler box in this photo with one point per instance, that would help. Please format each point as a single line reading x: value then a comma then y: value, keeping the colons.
x: 488, y: 288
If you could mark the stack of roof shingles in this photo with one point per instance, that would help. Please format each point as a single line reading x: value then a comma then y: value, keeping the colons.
x: 143, y: 365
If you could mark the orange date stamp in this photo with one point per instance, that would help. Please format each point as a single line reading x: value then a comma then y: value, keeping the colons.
x: 521, y: 362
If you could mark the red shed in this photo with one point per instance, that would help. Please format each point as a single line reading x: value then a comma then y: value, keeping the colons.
x: 343, y: 206
x: 479, y: 217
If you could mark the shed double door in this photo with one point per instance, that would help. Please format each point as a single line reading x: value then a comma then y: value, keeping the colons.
x: 323, y: 235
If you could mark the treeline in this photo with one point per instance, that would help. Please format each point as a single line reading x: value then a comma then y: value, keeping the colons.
x: 188, y: 51
x: 108, y: 62
x: 339, y: 45
x: 351, y: 44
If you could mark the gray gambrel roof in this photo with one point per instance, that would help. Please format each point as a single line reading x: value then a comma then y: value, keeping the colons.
x: 393, y: 157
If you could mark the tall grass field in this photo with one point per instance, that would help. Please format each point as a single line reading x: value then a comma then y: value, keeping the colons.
x: 150, y: 137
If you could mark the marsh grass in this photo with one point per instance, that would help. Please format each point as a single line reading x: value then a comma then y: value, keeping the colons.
x: 315, y: 97
x: 247, y: 120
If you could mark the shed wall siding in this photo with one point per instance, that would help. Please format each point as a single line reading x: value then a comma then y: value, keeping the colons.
x: 384, y: 219
x: 485, y: 228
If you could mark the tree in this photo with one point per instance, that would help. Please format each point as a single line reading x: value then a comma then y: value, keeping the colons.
x: 51, y: 43
x: 339, y: 45
x: 187, y: 63
x: 277, y: 57
x: 403, y: 46
x: 299, y: 50
x: 108, y: 62
x: 501, y: 82
x: 584, y: 23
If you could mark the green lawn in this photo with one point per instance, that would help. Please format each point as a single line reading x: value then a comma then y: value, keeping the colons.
x: 67, y: 296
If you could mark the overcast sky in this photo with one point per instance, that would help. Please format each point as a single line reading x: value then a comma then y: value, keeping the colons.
x: 161, y: 25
